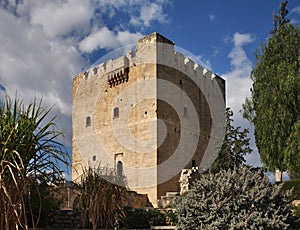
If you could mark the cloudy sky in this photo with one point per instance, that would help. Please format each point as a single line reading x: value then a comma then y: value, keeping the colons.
x: 45, y: 43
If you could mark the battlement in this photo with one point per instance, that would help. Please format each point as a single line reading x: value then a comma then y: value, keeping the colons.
x: 165, y: 55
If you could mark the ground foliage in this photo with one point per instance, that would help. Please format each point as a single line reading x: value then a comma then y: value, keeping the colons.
x: 235, y: 199
x: 99, y: 200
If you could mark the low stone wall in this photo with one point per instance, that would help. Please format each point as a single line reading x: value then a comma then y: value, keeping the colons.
x: 64, y: 219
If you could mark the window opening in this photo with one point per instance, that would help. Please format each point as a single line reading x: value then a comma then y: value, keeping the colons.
x: 120, y: 169
x: 88, y: 121
x: 116, y: 112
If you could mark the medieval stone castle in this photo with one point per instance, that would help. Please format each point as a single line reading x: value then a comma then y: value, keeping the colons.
x: 147, y: 115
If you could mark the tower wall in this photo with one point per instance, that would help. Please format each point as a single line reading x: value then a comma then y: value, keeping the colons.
x: 138, y: 112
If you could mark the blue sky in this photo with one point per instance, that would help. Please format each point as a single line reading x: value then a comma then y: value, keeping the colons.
x: 45, y: 43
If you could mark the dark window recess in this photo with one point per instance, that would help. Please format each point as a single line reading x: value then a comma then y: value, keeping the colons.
x: 193, y: 163
x: 119, y: 169
x: 94, y: 158
x: 180, y: 82
x: 116, y: 112
x: 88, y: 121
x: 185, y: 111
x: 146, y: 112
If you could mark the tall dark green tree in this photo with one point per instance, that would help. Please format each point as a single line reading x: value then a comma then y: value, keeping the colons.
x: 235, y: 146
x: 274, y: 107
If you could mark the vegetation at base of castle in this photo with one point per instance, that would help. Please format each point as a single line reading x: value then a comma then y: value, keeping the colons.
x: 99, y: 201
x: 293, y: 185
x: 234, y: 148
x: 145, y: 218
x: 41, y: 199
x: 274, y: 106
x: 235, y: 199
x: 29, y: 154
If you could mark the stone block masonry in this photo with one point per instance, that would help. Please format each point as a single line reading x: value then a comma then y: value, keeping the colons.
x: 147, y: 116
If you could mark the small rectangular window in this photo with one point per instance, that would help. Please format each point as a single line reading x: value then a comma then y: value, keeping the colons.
x: 116, y: 112
x: 94, y: 158
x: 185, y: 111
x: 88, y: 121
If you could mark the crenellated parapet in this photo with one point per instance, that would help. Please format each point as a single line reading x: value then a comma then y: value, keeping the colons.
x: 117, y: 70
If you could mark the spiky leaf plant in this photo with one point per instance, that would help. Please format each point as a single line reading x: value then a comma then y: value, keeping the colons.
x: 29, y: 148
x: 234, y: 199
x: 99, y: 201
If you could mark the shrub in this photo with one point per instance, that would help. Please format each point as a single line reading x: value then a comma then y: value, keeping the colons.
x: 293, y: 185
x: 235, y: 199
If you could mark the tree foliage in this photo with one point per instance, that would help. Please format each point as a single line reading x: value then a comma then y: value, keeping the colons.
x: 234, y: 148
x: 28, y: 149
x: 274, y: 107
x: 235, y: 199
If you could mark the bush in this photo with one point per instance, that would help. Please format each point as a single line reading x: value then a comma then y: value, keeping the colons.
x: 293, y: 185
x: 235, y: 199
x: 145, y: 218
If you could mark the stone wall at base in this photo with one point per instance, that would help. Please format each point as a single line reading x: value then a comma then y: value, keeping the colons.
x: 64, y: 219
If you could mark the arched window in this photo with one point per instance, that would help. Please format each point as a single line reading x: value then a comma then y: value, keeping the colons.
x: 120, y: 169
x: 88, y: 121
x: 116, y: 112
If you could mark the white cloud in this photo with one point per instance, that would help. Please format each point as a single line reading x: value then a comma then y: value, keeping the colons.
x: 211, y: 17
x: 296, y: 10
x: 127, y: 38
x: 100, y: 39
x: 42, y: 44
x: 240, y: 61
x: 242, y: 39
x: 148, y: 13
x: 107, y: 39
x: 238, y: 84
x: 34, y: 66
x: 58, y: 17
x: 238, y: 79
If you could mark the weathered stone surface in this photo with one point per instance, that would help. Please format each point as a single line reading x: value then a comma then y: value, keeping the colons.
x: 119, y: 107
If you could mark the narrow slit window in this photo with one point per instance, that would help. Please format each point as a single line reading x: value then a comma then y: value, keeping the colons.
x: 120, y: 169
x: 193, y: 163
x: 185, y: 111
x: 88, y: 121
x: 116, y: 112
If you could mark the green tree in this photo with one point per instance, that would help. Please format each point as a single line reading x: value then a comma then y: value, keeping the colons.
x: 28, y: 149
x: 234, y: 148
x: 274, y: 107
x: 235, y: 199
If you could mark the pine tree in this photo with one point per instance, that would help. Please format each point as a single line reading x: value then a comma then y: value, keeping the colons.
x: 234, y: 148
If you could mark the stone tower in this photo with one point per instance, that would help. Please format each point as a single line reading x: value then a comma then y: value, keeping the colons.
x: 147, y: 115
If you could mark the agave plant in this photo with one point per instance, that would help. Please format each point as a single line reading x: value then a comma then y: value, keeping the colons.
x: 29, y: 149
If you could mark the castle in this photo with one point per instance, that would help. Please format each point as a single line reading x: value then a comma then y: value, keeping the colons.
x: 147, y: 115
